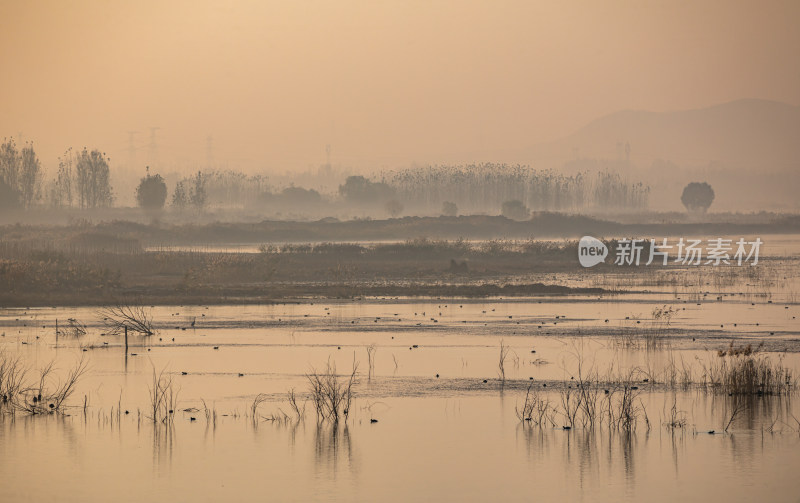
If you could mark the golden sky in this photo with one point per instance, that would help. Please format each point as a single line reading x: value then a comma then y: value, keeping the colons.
x: 384, y: 83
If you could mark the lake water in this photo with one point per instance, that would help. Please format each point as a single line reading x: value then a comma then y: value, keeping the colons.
x: 451, y: 437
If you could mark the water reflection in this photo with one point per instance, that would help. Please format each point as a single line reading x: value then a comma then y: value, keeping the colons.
x: 333, y: 449
x: 593, y: 455
x: 163, y: 441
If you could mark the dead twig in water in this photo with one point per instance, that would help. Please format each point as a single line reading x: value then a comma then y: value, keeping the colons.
x: 136, y: 318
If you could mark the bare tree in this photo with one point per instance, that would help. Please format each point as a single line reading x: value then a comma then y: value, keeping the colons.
x: 198, y: 196
x: 135, y: 318
x: 93, y: 181
x: 62, y: 192
x: 331, y: 394
x: 9, y: 163
x: 30, y: 176
x: 180, y: 199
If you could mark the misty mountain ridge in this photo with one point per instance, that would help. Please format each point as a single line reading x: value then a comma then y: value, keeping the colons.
x: 742, y: 134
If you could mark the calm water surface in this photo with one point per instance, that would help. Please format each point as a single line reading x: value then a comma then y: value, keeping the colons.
x: 451, y: 437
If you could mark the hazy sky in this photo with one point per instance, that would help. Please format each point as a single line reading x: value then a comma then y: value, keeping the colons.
x: 385, y: 83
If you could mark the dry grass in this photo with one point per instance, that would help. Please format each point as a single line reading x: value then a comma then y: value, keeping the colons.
x: 746, y: 371
x: 371, y: 350
x: 163, y: 398
x: 501, y: 365
x: 257, y: 401
x: 298, y: 411
x: 12, y: 378
x: 675, y: 418
x: 738, y: 406
x: 331, y: 393
x: 535, y: 408
x: 48, y: 395
x: 73, y: 328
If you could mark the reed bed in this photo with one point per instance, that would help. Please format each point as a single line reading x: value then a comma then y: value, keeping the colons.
x: 746, y: 370
x: 586, y: 405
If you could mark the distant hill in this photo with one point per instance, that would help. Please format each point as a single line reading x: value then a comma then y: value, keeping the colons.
x: 748, y: 133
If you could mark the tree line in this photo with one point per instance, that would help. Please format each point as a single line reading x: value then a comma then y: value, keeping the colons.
x: 82, y: 179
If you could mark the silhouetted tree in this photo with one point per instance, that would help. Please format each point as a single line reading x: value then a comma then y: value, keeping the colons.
x: 10, y: 165
x: 180, y: 199
x: 151, y: 192
x: 358, y: 189
x: 449, y: 209
x: 477, y: 187
x: 697, y: 196
x: 92, y: 176
x: 62, y: 193
x: 515, y: 210
x: 21, y: 173
x: 30, y: 176
x: 198, y: 196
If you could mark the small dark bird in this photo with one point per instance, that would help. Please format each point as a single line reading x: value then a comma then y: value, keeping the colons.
x: 373, y: 420
x: 216, y: 347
